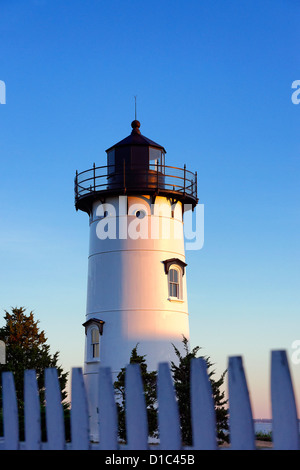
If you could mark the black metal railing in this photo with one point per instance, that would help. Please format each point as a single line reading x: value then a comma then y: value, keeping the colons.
x: 158, y: 178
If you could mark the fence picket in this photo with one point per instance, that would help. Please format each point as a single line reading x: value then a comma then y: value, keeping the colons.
x: 168, y: 414
x: 54, y: 412
x: 108, y: 420
x: 135, y: 408
x: 240, y: 413
x: 32, y: 411
x: 10, y: 412
x: 203, y: 417
x: 285, y: 427
x: 79, y: 412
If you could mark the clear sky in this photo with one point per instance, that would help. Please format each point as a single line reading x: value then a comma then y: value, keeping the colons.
x: 213, y: 84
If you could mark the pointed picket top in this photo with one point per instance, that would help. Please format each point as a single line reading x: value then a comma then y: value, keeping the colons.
x: 135, y: 409
x: 285, y: 426
x: 32, y: 411
x: 10, y: 412
x: 168, y: 414
x: 242, y: 436
x: 202, y: 407
x: 54, y: 411
x: 79, y: 412
x: 108, y: 418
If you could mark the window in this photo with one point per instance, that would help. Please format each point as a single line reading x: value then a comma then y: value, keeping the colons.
x: 155, y: 158
x: 111, y: 161
x: 140, y: 214
x: 95, y: 336
x: 175, y: 268
x: 93, y: 330
x: 175, y: 282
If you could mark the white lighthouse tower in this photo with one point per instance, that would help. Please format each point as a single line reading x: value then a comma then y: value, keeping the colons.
x: 136, y: 289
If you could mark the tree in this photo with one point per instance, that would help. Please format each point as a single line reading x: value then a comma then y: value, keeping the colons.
x: 149, y: 382
x: 27, y: 348
x: 181, y: 377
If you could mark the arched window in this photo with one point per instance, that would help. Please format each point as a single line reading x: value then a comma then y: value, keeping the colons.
x: 95, y: 343
x: 93, y: 330
x: 174, y: 268
x: 175, y: 282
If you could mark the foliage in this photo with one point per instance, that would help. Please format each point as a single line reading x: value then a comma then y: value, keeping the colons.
x: 262, y: 436
x: 149, y: 382
x: 181, y: 377
x: 27, y: 348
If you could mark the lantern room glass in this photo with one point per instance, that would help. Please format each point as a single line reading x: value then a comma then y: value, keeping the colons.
x: 156, y: 159
x: 111, y: 161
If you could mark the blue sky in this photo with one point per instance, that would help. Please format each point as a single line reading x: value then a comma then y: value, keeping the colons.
x: 213, y: 84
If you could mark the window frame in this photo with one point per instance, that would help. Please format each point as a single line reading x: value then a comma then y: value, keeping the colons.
x: 178, y: 269
x: 111, y: 162
x: 94, y: 343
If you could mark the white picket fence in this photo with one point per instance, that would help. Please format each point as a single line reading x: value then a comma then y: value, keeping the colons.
x: 285, y: 428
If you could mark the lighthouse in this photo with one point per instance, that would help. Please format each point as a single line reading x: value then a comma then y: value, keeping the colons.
x: 136, y: 289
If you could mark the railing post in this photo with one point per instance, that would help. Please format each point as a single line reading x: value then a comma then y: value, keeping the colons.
x: 168, y: 415
x: 184, y: 170
x: 135, y: 409
x: 242, y: 436
x: 195, y: 182
x: 94, y: 171
x: 203, y: 415
x: 79, y: 412
x: 108, y: 422
x: 285, y: 426
x: 157, y: 181
x: 54, y: 411
x: 32, y: 411
x: 76, y: 186
x: 10, y: 412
